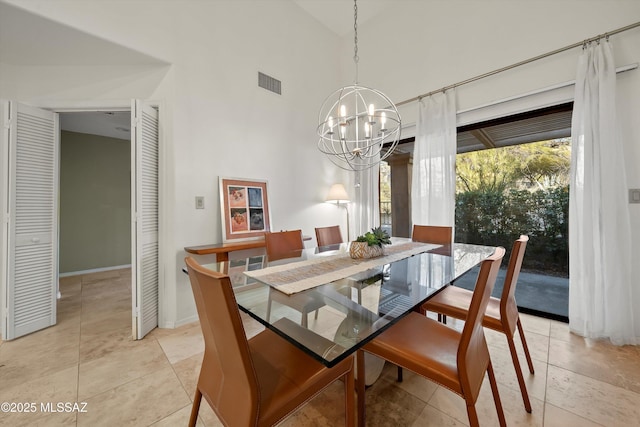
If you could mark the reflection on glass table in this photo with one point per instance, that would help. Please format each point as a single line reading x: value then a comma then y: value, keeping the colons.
x: 356, y: 308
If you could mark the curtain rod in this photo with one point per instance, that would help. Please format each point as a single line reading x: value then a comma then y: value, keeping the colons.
x: 526, y: 61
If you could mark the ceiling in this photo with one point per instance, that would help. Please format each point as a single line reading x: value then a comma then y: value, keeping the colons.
x: 113, y: 124
x: 337, y: 15
x: 49, y: 42
x: 57, y: 44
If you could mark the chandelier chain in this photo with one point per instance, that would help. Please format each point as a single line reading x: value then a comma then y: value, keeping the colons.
x: 356, y: 58
x: 358, y: 126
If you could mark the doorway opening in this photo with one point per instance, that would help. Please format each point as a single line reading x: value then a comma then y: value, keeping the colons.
x: 94, y: 262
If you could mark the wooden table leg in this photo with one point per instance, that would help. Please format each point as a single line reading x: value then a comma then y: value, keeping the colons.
x: 222, y: 256
x: 360, y: 387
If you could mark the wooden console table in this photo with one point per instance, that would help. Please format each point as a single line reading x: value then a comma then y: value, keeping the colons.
x: 222, y: 249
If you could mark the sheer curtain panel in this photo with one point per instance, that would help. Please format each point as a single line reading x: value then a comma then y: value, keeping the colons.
x: 367, y: 206
x: 433, y: 190
x: 600, y: 293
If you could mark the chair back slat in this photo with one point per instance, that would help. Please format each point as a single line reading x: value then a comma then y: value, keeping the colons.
x: 227, y: 375
x: 327, y: 236
x: 283, y: 244
x: 440, y: 235
x: 508, y: 306
x: 473, y: 353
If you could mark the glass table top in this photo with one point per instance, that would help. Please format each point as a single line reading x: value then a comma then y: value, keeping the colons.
x: 353, y: 310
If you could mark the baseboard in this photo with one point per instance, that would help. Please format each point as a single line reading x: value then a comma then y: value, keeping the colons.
x: 94, y: 270
x: 181, y: 322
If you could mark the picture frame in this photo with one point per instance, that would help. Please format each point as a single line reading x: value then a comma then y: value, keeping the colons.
x: 244, y: 205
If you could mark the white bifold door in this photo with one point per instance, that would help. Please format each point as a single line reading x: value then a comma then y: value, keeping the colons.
x: 145, y: 218
x: 29, y: 162
x: 30, y: 218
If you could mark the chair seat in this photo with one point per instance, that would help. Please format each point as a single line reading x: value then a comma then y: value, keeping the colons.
x: 454, y: 301
x: 287, y: 376
x: 423, y: 346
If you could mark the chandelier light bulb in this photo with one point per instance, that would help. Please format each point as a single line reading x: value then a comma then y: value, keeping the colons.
x: 363, y: 142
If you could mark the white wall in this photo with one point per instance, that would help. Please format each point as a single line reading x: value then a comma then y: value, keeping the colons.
x: 216, y: 121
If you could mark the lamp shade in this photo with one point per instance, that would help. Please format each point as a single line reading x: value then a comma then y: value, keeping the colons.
x: 337, y: 194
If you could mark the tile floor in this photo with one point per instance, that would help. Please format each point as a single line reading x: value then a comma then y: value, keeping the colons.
x: 89, y: 357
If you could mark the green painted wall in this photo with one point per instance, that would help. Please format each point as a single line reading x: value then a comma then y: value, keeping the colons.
x: 95, y: 202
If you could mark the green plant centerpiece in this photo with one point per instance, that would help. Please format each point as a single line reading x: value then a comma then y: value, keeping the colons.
x: 371, y: 244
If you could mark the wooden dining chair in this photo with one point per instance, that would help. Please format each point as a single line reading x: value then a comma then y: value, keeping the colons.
x: 456, y: 360
x: 283, y: 244
x: 289, y: 244
x: 502, y: 314
x: 257, y: 381
x: 327, y: 236
x: 440, y: 235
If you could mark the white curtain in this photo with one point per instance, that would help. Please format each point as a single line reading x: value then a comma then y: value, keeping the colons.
x: 600, y: 293
x: 367, y: 206
x: 434, y: 161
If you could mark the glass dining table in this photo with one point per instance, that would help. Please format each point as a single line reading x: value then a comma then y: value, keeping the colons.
x: 350, y: 311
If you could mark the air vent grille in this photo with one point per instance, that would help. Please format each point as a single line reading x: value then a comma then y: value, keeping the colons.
x: 269, y: 83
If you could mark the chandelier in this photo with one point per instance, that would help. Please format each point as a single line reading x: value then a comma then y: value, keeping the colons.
x: 358, y: 126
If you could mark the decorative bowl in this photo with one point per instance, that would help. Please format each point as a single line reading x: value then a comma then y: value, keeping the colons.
x: 358, y: 250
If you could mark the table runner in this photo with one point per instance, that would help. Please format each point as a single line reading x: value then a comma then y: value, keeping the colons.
x: 300, y: 276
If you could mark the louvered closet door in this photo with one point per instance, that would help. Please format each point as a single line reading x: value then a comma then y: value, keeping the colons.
x: 32, y: 244
x: 144, y: 169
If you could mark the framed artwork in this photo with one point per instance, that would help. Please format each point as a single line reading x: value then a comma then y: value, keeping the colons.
x: 245, y: 209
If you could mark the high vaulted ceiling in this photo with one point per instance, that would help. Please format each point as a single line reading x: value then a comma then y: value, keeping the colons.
x: 57, y: 44
x: 337, y: 15
x: 51, y: 43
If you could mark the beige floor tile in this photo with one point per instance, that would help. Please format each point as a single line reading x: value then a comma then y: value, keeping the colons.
x: 179, y: 418
x: 188, y: 371
x: 38, y: 354
x: 141, y: 402
x: 100, y: 276
x: 535, y: 324
x: 389, y: 404
x: 412, y: 383
x: 42, y: 394
x: 560, y: 331
x: 183, y: 344
x: 99, y: 322
x: 165, y: 332
x: 592, y: 399
x: 556, y: 417
x: 208, y: 417
x: 590, y: 357
x: 454, y: 406
x: 119, y: 367
x: 326, y: 409
x: 96, y: 343
x: 506, y: 374
x: 431, y: 417
x: 70, y: 285
x: 90, y: 353
x: 538, y: 344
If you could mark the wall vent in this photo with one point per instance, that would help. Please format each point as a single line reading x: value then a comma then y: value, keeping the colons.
x: 269, y: 83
